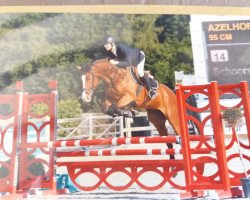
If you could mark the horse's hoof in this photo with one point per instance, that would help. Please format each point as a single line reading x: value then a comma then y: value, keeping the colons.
x: 134, y: 113
x: 114, y: 115
x: 129, y: 115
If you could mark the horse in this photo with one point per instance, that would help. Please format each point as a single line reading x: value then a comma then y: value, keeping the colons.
x: 122, y: 92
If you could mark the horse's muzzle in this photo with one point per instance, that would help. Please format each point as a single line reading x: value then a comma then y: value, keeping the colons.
x: 86, y: 97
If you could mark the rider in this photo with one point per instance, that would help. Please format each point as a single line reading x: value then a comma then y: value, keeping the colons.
x: 123, y: 56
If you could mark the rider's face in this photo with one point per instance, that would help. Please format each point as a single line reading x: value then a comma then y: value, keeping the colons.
x: 108, y: 46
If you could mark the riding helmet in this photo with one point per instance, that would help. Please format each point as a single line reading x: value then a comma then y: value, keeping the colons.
x: 108, y: 40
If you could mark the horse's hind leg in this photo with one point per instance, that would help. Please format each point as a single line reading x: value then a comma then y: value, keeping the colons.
x: 157, y: 118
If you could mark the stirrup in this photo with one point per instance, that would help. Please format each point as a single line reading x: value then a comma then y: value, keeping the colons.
x: 152, y: 93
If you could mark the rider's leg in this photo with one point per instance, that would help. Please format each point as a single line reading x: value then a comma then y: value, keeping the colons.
x: 151, y: 91
x: 145, y: 80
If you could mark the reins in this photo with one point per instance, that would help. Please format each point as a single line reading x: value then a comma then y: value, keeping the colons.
x: 117, y: 70
x: 107, y: 72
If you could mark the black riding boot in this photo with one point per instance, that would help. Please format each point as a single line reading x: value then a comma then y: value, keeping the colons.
x: 151, y: 91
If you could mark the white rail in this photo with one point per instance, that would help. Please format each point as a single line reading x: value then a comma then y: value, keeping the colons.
x: 98, y: 125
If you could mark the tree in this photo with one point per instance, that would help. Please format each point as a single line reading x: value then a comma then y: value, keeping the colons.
x: 175, y: 37
x: 39, y: 47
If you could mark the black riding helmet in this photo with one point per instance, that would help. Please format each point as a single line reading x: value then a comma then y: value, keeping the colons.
x: 108, y: 40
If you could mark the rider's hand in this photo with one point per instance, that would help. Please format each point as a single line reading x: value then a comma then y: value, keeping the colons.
x: 113, y: 62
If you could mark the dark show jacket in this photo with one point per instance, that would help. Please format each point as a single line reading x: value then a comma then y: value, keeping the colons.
x: 127, y: 56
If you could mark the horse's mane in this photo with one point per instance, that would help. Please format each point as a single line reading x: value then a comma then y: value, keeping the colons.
x: 107, y: 60
x: 100, y: 60
x: 88, y: 67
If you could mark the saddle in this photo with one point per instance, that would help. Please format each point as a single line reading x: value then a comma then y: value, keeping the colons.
x: 134, y: 75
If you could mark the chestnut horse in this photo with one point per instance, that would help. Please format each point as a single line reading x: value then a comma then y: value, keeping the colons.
x: 122, y: 91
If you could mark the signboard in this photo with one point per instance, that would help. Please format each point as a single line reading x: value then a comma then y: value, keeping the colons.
x: 227, y: 50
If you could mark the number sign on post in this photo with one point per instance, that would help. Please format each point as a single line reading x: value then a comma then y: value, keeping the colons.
x: 227, y: 50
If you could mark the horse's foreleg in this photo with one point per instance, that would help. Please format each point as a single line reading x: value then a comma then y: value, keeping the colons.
x: 111, y: 111
x: 124, y: 113
x: 114, y: 111
x: 122, y: 102
x: 108, y: 109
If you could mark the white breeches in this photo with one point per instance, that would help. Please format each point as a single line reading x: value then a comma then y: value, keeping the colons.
x: 140, y: 66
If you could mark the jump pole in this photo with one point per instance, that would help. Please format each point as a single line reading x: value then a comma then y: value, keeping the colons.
x: 130, y: 152
x: 113, y: 141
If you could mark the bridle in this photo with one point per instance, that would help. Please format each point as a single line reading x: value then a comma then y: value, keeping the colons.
x: 91, y: 90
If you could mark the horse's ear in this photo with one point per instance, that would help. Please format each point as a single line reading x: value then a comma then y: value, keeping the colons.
x: 79, y: 67
x: 83, y: 69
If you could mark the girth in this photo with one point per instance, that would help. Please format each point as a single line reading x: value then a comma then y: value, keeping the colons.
x: 134, y: 75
